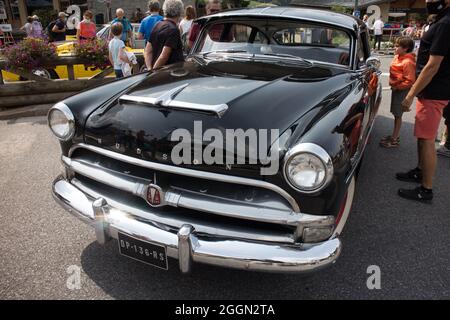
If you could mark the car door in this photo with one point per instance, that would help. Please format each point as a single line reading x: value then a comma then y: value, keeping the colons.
x: 368, y: 80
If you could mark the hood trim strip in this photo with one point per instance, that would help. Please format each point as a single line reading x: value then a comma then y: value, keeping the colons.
x: 166, y: 100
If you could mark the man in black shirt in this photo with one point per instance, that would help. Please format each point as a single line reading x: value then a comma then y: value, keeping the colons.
x: 59, y: 29
x: 165, y: 46
x: 432, y: 89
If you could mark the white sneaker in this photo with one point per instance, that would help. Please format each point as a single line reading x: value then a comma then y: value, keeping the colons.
x: 443, y: 151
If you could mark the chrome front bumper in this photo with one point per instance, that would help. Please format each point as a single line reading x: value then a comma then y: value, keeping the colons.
x: 187, y: 246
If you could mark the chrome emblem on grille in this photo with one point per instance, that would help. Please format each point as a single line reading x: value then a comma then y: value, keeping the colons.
x: 155, y: 195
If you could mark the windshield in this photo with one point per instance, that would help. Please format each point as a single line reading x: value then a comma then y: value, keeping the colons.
x: 278, y: 39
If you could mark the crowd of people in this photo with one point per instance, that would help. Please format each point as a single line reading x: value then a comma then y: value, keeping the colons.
x: 33, y: 27
x: 56, y: 30
x: 412, y: 29
x: 167, y: 37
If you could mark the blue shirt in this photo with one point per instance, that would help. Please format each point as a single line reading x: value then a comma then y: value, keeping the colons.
x: 147, y: 25
x: 126, y: 26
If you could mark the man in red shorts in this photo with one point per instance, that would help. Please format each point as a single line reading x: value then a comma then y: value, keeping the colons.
x: 432, y: 89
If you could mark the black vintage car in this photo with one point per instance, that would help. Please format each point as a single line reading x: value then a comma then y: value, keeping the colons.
x: 302, y: 81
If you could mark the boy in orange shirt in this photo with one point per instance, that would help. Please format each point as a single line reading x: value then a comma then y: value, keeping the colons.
x: 401, y: 78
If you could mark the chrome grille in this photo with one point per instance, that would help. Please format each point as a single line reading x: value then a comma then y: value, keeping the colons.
x: 224, y: 206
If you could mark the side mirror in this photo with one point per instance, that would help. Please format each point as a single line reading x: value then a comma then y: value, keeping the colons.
x: 373, y: 63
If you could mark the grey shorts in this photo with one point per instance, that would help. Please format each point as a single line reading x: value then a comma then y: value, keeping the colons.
x: 397, y: 97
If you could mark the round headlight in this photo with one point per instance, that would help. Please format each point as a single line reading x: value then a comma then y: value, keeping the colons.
x: 308, y: 168
x: 61, y: 121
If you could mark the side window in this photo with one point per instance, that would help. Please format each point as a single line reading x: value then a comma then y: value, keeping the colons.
x: 315, y: 42
x: 312, y: 35
x: 248, y: 34
x: 366, y: 44
x: 360, y: 54
x: 363, y: 52
x: 225, y: 36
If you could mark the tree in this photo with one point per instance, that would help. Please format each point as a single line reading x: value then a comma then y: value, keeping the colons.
x: 236, y: 3
x: 282, y: 2
x: 341, y: 9
x: 46, y: 15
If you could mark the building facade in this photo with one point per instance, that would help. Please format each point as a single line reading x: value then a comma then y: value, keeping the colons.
x: 107, y: 8
x: 402, y: 11
x: 18, y: 10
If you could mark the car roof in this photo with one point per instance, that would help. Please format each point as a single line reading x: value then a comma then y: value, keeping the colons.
x: 307, y: 14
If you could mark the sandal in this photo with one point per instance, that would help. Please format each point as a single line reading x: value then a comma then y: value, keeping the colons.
x: 386, y: 138
x: 391, y: 143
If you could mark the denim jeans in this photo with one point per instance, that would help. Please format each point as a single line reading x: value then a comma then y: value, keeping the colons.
x: 378, y: 39
x: 119, y: 73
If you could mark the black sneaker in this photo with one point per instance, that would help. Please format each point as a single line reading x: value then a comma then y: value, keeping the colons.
x: 418, y: 194
x: 414, y: 175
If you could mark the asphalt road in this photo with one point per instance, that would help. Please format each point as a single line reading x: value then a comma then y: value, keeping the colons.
x: 39, y: 241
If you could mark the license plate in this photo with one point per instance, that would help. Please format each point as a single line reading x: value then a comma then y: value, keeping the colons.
x: 143, y: 251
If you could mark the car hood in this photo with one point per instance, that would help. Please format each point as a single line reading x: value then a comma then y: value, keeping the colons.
x: 258, y: 96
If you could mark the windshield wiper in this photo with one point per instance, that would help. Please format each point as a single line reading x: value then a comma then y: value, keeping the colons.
x: 224, y: 51
x: 290, y: 56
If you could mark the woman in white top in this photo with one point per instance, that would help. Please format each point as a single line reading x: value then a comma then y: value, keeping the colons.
x: 186, y: 23
x: 185, y: 26
x: 28, y: 26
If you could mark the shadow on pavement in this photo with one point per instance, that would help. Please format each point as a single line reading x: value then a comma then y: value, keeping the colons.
x: 32, y: 120
x: 123, y: 278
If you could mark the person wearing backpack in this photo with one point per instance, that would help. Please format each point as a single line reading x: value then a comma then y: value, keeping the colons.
x: 58, y: 28
x: 49, y: 32
x: 36, y: 28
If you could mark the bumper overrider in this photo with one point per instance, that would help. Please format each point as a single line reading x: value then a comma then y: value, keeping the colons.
x: 187, y: 245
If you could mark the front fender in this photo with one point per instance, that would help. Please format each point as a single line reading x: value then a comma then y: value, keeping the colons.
x: 337, y: 128
x: 86, y: 102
